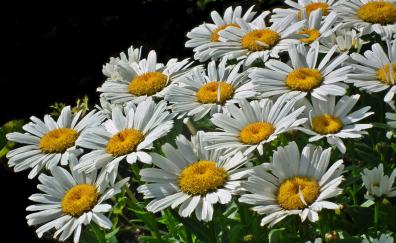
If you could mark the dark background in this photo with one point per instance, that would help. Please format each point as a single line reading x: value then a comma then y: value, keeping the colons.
x: 54, y: 53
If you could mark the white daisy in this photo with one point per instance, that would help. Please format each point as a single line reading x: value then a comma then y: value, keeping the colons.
x: 209, y: 91
x: 192, y: 177
x: 143, y: 79
x: 253, y: 124
x: 378, y: 185
x: 376, y: 70
x: 391, y: 121
x: 111, y: 70
x: 304, y: 75
x: 335, y: 121
x: 254, y: 41
x: 127, y: 135
x: 345, y: 39
x: 384, y: 238
x: 369, y: 16
x: 71, y: 200
x: 48, y: 142
x: 294, y: 184
x: 201, y: 37
x: 296, y: 9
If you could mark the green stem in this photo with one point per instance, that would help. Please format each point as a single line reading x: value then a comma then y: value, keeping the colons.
x: 376, y: 212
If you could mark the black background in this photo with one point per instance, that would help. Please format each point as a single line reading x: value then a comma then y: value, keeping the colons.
x: 53, y: 53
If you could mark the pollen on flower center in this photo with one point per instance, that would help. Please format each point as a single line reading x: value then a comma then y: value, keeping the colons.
x: 215, y: 92
x: 214, y: 37
x: 58, y: 140
x: 258, y: 40
x: 383, y: 74
x: 288, y: 195
x: 124, y: 142
x: 256, y: 132
x: 313, y: 34
x: 201, y: 177
x: 303, y: 79
x: 326, y: 124
x: 79, y: 199
x: 378, y: 12
x: 309, y: 8
x: 148, y: 83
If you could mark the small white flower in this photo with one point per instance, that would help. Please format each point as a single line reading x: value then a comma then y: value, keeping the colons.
x: 345, y: 39
x: 384, y: 238
x: 294, y: 184
x: 378, y: 185
x: 48, y: 142
x: 111, y: 70
x: 192, y: 177
x: 209, y: 91
x: 335, y: 121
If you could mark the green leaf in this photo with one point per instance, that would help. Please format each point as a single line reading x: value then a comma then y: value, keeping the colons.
x: 196, y: 227
x: 277, y: 235
x: 148, y: 218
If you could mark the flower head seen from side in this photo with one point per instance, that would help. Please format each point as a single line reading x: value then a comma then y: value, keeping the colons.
x: 369, y: 16
x: 294, y: 184
x: 345, y: 39
x: 70, y: 200
x: 127, y: 135
x: 255, y: 123
x: 143, y: 79
x: 256, y: 41
x: 111, y: 69
x: 335, y: 121
x: 377, y: 184
x: 48, y: 142
x: 192, y: 178
x: 375, y: 71
x: 304, y: 75
x: 383, y: 238
x: 209, y: 92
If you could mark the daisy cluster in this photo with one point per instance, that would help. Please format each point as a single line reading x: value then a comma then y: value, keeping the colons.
x: 274, y: 103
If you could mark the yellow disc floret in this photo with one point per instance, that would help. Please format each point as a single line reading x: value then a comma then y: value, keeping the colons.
x: 148, y: 84
x: 214, y: 37
x: 256, y: 132
x: 313, y: 34
x: 58, y: 140
x: 383, y: 74
x: 303, y: 79
x: 326, y: 124
x: 124, y: 142
x: 215, y: 92
x: 201, y: 177
x: 288, y: 195
x: 266, y: 36
x: 378, y: 12
x: 79, y: 199
x: 309, y: 8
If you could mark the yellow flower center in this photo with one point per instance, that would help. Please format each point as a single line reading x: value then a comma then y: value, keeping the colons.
x: 215, y: 92
x: 313, y: 34
x: 124, y: 142
x: 288, y: 195
x: 378, y: 12
x: 201, y: 177
x: 256, y: 132
x: 58, y: 140
x: 309, y: 8
x: 79, y: 199
x: 303, y: 79
x: 148, y: 83
x: 326, y: 124
x: 383, y: 74
x: 214, y: 37
x: 266, y: 36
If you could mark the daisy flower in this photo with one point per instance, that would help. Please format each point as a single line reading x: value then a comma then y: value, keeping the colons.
x: 127, y: 135
x: 296, y: 9
x: 48, y: 142
x: 376, y: 70
x: 384, y: 238
x: 111, y: 69
x: 391, y: 121
x: 71, y: 200
x: 335, y: 121
x: 143, y: 79
x: 304, y: 75
x: 255, y: 40
x: 253, y: 124
x: 192, y: 177
x: 201, y: 37
x: 378, y: 185
x: 294, y: 184
x: 209, y: 91
x: 346, y: 40
x: 369, y: 16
